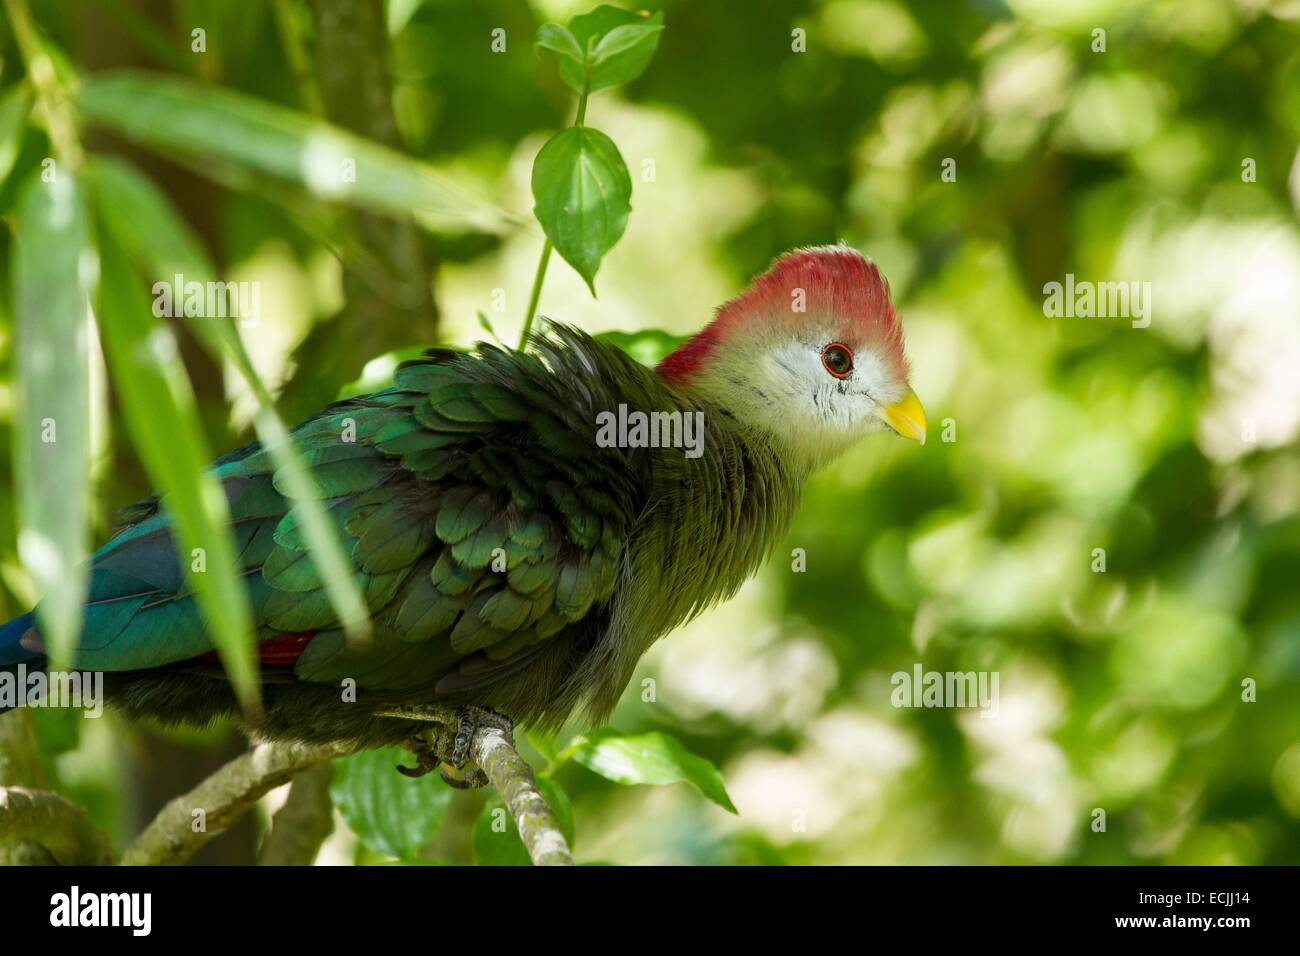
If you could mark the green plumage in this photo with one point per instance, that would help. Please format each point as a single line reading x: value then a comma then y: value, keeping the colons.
x: 507, y: 560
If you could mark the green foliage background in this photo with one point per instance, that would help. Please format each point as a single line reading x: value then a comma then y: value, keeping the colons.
x: 1173, y: 447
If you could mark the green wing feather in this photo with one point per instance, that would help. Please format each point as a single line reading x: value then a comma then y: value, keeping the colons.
x: 479, y: 514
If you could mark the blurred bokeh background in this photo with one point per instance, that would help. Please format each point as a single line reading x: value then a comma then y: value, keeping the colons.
x: 1169, y: 157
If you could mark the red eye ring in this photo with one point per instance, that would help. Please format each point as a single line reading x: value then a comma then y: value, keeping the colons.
x: 837, y: 358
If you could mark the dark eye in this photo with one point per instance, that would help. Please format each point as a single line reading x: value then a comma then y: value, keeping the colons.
x: 838, y: 359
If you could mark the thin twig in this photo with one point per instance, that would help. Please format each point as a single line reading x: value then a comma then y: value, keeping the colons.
x: 535, y: 294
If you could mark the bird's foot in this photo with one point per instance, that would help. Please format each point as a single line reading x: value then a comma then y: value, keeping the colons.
x: 441, y: 744
x: 469, y: 721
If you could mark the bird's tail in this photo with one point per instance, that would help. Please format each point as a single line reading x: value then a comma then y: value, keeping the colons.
x: 11, y: 635
x: 12, y: 652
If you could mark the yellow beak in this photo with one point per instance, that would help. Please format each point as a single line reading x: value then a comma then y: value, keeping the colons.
x: 906, y: 417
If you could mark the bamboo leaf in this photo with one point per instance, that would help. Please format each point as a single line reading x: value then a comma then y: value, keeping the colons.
x: 162, y: 245
x: 210, y: 123
x: 15, y: 105
x: 317, y: 530
x: 53, y: 275
x: 162, y: 418
x: 145, y: 225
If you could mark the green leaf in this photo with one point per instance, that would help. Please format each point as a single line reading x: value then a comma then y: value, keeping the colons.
x: 583, y: 194
x: 15, y: 105
x: 53, y: 275
x: 558, y: 39
x: 627, y: 55
x: 378, y: 372
x: 162, y: 245
x: 400, y: 13
x: 389, y: 812
x: 563, y: 807
x: 647, y: 758
x: 163, y: 420
x: 58, y: 729
x: 149, y: 230
x: 496, y: 838
x: 544, y: 743
x: 485, y: 324
x: 624, y: 53
x: 648, y: 346
x: 210, y: 123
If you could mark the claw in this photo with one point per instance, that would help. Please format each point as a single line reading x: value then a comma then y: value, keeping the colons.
x: 454, y: 753
x: 472, y: 781
x: 428, y: 763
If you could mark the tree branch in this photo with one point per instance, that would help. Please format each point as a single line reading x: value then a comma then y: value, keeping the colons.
x: 20, y: 760
x: 494, y: 751
x: 304, y: 822
x: 53, y: 822
x: 171, y: 838
x: 180, y: 829
x: 20, y: 766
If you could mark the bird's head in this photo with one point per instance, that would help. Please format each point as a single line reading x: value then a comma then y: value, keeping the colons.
x: 811, y: 352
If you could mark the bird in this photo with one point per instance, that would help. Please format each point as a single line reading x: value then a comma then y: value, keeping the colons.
x: 516, y: 560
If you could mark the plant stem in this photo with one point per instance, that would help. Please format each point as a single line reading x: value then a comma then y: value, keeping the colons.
x: 299, y: 63
x: 535, y: 294
x: 50, y: 94
x: 540, y: 276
